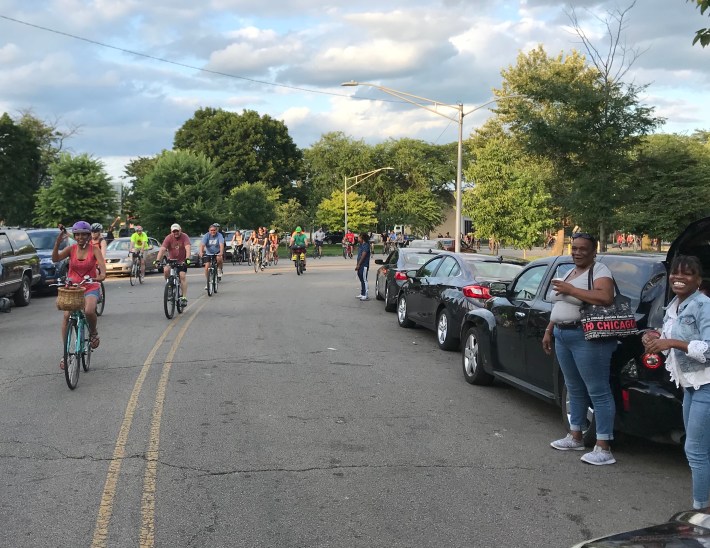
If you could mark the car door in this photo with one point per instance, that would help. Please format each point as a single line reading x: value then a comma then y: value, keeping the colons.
x: 432, y: 293
x: 418, y: 289
x: 5, y: 258
x: 385, y: 274
x: 511, y: 320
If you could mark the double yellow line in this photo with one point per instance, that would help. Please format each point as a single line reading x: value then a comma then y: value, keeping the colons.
x: 147, y: 532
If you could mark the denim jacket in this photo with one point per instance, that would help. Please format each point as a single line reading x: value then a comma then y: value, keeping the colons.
x: 693, y: 326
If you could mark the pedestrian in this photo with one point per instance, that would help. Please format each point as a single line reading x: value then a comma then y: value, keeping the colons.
x: 363, y: 264
x: 685, y: 340
x: 584, y: 364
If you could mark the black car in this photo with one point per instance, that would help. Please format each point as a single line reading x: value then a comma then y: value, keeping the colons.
x: 19, y: 265
x: 392, y: 273
x: 334, y: 237
x: 43, y: 240
x: 442, y: 291
x: 504, y: 339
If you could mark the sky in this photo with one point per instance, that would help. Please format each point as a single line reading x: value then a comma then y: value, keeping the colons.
x: 126, y: 74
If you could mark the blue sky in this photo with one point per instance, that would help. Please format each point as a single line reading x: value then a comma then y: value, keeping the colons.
x: 448, y: 50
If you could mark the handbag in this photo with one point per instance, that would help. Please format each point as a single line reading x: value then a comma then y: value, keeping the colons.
x: 615, y: 320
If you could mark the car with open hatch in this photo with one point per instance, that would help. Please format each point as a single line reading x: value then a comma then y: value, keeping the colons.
x: 439, y: 293
x: 503, y: 340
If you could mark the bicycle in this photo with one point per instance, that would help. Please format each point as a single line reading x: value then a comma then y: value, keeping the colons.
x: 212, y: 277
x: 318, y: 250
x: 298, y: 257
x: 347, y: 250
x: 135, y: 273
x: 258, y: 258
x: 77, y: 341
x: 101, y: 303
x: 172, y: 296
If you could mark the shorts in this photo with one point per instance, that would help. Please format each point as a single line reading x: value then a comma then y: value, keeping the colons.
x: 207, y: 258
x: 93, y: 293
x: 180, y: 268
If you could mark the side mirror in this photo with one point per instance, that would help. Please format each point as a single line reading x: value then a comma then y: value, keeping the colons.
x: 379, y: 261
x: 498, y: 289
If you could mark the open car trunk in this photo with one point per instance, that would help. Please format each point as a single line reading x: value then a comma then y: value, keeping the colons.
x: 694, y: 240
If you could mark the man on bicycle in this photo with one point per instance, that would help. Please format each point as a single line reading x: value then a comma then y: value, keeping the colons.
x: 139, y: 243
x: 298, y: 243
x: 213, y: 243
x: 318, y: 238
x: 177, y: 246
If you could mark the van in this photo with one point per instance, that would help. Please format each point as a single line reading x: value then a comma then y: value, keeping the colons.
x: 19, y: 265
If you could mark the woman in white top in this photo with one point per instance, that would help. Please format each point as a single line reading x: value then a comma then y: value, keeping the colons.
x: 685, y: 340
x: 584, y: 364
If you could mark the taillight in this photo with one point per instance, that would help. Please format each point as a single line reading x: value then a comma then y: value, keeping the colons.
x: 476, y: 292
x: 625, y: 399
x: 651, y: 361
x: 401, y: 276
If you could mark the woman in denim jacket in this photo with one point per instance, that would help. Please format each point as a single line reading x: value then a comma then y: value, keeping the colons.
x: 685, y: 340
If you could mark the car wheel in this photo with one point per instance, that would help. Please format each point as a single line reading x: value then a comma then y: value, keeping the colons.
x: 472, y: 359
x: 589, y: 434
x: 402, y: 319
x: 377, y: 289
x: 389, y: 305
x: 445, y: 331
x: 23, y: 295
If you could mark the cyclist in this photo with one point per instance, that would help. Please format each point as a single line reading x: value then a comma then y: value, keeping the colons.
x: 298, y: 243
x: 85, y: 259
x: 237, y: 243
x: 260, y: 239
x: 318, y: 237
x: 177, y: 246
x: 273, y: 243
x: 213, y: 243
x: 139, y: 243
x: 97, y: 238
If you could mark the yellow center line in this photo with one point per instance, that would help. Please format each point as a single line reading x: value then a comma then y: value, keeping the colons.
x: 147, y: 533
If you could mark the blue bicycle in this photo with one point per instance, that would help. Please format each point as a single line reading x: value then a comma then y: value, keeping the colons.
x: 77, y: 344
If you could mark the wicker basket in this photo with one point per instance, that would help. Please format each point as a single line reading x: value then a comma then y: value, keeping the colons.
x: 70, y: 298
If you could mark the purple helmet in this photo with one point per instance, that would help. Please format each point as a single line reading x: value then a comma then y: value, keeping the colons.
x: 81, y: 227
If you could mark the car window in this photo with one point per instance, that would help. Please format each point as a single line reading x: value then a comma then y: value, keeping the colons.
x: 119, y: 245
x: 429, y: 268
x: 393, y: 257
x: 449, y: 267
x: 494, y: 270
x: 528, y: 284
x: 23, y: 242
x: 5, y: 247
x: 43, y: 240
x: 154, y: 242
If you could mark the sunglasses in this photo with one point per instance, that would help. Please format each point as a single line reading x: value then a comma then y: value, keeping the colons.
x: 584, y: 235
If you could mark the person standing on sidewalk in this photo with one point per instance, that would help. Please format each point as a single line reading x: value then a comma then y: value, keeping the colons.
x: 363, y: 264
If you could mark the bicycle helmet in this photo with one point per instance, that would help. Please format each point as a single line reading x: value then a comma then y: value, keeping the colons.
x: 97, y: 227
x: 81, y: 227
x: 216, y: 225
x: 272, y: 231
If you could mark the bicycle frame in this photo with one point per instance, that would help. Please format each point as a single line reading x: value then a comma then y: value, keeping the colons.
x: 173, y: 291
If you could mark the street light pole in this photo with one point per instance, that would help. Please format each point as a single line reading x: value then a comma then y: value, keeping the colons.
x: 418, y: 101
x: 359, y: 178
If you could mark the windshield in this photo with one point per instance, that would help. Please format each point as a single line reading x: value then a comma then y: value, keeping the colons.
x: 119, y: 245
x: 45, y: 240
x: 413, y: 260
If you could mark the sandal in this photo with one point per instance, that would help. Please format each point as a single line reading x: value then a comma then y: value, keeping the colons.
x: 61, y: 364
x: 94, y: 340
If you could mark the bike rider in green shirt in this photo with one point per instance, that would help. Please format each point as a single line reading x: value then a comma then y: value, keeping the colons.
x: 139, y: 242
x: 299, y: 241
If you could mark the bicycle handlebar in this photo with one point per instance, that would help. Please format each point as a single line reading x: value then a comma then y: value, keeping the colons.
x: 68, y: 283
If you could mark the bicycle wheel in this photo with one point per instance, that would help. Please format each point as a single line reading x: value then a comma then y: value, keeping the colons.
x: 178, y: 297
x: 101, y: 303
x: 210, y: 282
x: 234, y: 256
x: 141, y: 275
x: 86, y: 353
x: 71, y: 354
x: 169, y: 300
x: 299, y: 267
x: 249, y: 258
x: 276, y: 259
x: 215, y: 279
x: 256, y: 263
x: 133, y: 275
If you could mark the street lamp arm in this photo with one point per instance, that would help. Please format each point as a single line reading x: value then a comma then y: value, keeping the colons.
x: 363, y: 176
x: 491, y: 102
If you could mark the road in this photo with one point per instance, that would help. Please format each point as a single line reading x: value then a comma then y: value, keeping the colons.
x: 284, y: 412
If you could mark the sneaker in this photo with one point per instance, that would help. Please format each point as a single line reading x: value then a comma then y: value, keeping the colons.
x: 568, y: 443
x: 598, y: 457
x: 183, y: 300
x: 365, y: 298
x: 206, y: 288
x: 360, y: 296
x: 219, y: 277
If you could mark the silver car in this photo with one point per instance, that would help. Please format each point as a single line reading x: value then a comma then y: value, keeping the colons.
x: 118, y: 261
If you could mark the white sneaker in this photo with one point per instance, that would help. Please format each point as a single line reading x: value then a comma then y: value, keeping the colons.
x: 359, y: 296
x: 364, y: 298
x: 598, y: 457
x: 568, y: 443
x: 206, y: 288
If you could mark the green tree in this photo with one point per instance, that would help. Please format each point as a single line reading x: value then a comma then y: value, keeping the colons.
x: 182, y: 187
x: 702, y: 35
x: 247, y: 148
x: 419, y: 209
x: 19, y: 172
x: 135, y: 173
x: 510, y: 200
x: 80, y: 189
x: 252, y: 204
x: 673, y: 172
x: 289, y: 215
x: 361, y: 212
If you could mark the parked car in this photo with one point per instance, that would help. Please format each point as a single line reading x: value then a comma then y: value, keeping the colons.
x: 334, y: 237
x: 195, y: 242
x: 425, y: 244
x: 19, y: 265
x: 447, y: 244
x: 444, y: 289
x: 391, y: 275
x: 43, y: 239
x: 684, y: 529
x: 118, y: 260
x: 504, y: 339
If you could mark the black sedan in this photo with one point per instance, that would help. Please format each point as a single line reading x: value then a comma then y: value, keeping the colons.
x: 392, y: 273
x: 442, y: 291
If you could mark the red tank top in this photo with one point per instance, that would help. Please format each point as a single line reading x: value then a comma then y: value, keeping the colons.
x: 79, y: 268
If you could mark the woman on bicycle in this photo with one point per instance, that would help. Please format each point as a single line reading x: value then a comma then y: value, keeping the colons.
x: 85, y: 259
x: 273, y: 244
x: 97, y: 237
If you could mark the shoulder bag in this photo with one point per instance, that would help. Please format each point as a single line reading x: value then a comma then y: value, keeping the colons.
x: 615, y: 320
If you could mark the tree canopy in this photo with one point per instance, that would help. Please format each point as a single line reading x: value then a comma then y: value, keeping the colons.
x: 19, y: 172
x: 252, y: 205
x: 702, y: 36
x: 361, y: 212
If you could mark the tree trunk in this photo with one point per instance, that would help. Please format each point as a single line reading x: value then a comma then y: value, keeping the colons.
x: 602, y: 237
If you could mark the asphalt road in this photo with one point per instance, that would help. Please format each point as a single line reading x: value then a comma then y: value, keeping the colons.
x: 284, y: 412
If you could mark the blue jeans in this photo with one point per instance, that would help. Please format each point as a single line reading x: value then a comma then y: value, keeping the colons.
x: 585, y: 366
x: 362, y: 275
x: 696, y: 417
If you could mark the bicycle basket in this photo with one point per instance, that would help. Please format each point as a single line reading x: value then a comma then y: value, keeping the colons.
x: 70, y: 298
